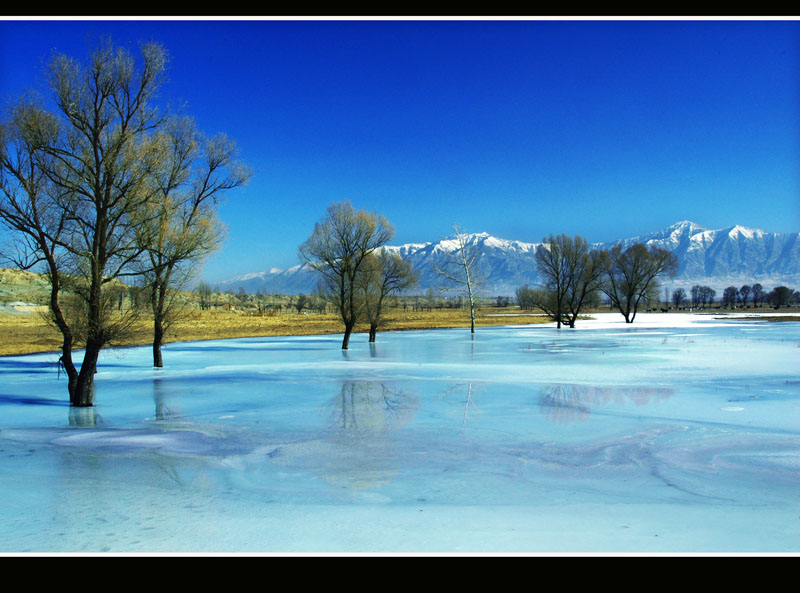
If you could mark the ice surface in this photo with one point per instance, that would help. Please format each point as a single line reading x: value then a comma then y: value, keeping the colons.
x: 674, y: 434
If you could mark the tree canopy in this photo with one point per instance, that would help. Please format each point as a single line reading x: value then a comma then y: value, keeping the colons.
x: 630, y: 275
x: 89, y: 187
x: 337, y: 249
x: 571, y: 274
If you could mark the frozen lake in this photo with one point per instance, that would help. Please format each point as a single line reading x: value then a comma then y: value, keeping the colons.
x: 676, y: 434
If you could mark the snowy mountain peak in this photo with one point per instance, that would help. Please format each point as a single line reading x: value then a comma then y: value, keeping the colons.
x: 739, y: 231
x: 718, y: 258
x: 685, y: 225
x: 677, y: 232
x: 486, y: 240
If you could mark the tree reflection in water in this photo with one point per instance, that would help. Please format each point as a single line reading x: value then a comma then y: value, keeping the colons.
x: 565, y: 403
x: 371, y: 407
x: 361, y: 452
x: 84, y: 417
x: 162, y: 411
x: 468, y: 390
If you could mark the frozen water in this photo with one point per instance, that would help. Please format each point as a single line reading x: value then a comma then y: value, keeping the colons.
x: 676, y: 434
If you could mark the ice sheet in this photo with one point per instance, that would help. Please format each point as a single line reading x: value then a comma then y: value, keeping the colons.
x: 677, y: 433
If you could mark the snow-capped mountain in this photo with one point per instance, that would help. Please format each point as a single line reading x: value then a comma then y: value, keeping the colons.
x: 299, y: 279
x: 504, y: 265
x: 729, y: 256
x: 717, y: 258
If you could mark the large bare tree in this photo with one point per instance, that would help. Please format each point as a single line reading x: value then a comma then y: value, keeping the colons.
x: 462, y: 269
x: 31, y: 208
x: 93, y: 156
x: 383, y: 274
x: 571, y: 273
x: 631, y: 275
x: 337, y: 250
x: 192, y: 176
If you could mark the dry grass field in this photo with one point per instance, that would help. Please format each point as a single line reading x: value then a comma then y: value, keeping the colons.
x: 25, y: 330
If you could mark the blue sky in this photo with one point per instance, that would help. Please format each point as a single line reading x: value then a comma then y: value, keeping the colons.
x: 520, y: 128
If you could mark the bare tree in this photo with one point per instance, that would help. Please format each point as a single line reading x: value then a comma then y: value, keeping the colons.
x: 744, y: 293
x: 92, y: 158
x: 524, y: 297
x: 572, y: 275
x: 631, y: 276
x: 758, y: 294
x: 337, y: 248
x: 383, y: 274
x: 708, y: 295
x: 780, y: 296
x: 301, y: 303
x: 729, y: 297
x: 193, y: 174
x: 696, y: 293
x: 679, y: 297
x: 31, y: 208
x: 204, y: 295
x: 462, y: 269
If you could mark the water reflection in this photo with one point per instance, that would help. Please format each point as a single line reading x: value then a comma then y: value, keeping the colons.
x: 371, y: 407
x: 84, y: 417
x: 162, y: 411
x: 358, y: 453
x: 565, y: 403
x: 465, y: 392
x: 101, y: 506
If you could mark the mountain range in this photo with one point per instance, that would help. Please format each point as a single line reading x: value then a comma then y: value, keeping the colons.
x: 717, y: 258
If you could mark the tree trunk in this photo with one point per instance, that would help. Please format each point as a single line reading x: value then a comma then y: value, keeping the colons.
x: 65, y: 360
x: 626, y: 312
x: 158, y: 339
x: 348, y: 329
x: 69, y: 366
x: 83, y: 394
x: 158, y: 298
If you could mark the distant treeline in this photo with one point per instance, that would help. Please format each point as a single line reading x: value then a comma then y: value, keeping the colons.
x: 697, y: 297
x: 754, y: 295
x: 206, y: 297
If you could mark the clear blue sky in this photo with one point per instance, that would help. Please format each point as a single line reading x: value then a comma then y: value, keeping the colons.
x: 520, y: 128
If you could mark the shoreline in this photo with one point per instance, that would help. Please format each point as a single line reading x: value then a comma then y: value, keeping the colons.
x: 592, y: 319
x: 31, y: 335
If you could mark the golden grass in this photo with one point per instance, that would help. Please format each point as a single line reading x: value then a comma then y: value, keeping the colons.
x: 23, y: 333
x: 26, y: 333
x: 25, y: 330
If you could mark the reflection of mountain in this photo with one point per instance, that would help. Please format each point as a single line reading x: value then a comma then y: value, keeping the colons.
x: 565, y: 403
x: 718, y: 258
